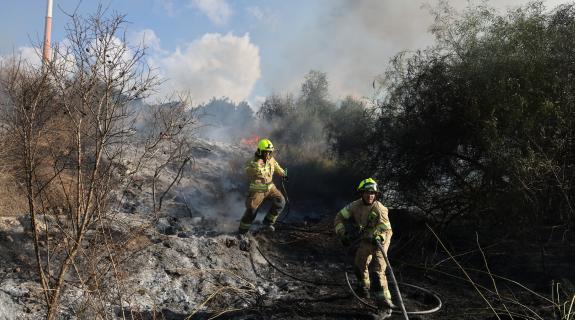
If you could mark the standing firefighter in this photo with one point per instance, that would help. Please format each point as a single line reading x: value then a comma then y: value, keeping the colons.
x: 260, y: 171
x: 370, y: 217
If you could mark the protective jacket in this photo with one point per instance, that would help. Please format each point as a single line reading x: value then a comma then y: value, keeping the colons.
x: 262, y: 188
x: 261, y: 175
x: 372, y: 220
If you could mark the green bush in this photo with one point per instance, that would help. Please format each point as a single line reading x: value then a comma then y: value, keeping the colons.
x: 481, y: 124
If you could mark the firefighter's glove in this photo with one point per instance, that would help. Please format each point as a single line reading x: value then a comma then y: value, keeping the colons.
x: 378, y: 239
x: 345, y: 240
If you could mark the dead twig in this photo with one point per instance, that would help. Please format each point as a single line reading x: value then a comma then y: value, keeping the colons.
x: 465, y: 273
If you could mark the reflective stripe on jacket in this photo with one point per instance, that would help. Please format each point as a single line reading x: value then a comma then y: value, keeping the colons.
x: 261, y: 176
x: 373, y: 219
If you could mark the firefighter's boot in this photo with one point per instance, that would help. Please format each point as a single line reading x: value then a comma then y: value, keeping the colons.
x: 363, y: 292
x: 362, y: 284
x: 383, y: 300
x: 268, y: 227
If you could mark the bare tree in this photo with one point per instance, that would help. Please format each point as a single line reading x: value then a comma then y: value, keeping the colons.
x: 168, y: 128
x: 74, y: 124
x: 27, y: 108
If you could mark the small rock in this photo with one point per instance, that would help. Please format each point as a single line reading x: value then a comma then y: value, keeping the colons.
x: 261, y: 290
x: 196, y: 221
x: 170, y: 231
x: 163, y: 223
x: 230, y: 242
x: 268, y: 303
x: 17, y: 270
x: 245, y: 244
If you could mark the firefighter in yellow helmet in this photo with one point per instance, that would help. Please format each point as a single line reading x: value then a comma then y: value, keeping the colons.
x: 260, y: 171
x: 371, y: 218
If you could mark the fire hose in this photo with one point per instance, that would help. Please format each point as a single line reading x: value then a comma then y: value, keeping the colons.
x: 419, y: 312
x: 396, y: 284
x: 393, y: 279
x: 287, y: 206
x: 402, y: 310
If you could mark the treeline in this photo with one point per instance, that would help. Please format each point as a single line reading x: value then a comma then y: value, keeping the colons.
x: 482, y: 124
x: 224, y: 119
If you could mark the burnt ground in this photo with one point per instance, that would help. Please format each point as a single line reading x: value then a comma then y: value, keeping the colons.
x: 511, y: 277
x: 192, y: 266
x: 312, y: 265
x: 307, y: 266
x: 298, y: 272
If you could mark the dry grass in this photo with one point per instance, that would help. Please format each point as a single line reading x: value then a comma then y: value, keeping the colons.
x: 52, y: 149
x: 12, y: 197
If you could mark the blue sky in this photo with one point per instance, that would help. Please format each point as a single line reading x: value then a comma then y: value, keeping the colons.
x: 247, y: 50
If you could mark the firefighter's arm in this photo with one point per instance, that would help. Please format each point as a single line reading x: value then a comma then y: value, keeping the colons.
x: 382, y: 227
x: 279, y: 169
x: 340, y: 218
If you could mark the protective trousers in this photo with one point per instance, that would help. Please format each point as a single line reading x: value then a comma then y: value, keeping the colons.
x: 253, y: 202
x: 367, y: 253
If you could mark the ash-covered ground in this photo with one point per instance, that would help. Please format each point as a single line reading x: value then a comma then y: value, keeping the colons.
x: 191, y: 265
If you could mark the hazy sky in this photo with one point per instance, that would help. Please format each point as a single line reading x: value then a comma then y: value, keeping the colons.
x: 246, y: 50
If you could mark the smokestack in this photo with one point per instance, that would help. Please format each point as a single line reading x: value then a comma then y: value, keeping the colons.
x: 47, y: 34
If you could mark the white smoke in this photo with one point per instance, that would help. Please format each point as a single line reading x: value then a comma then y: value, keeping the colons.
x: 215, y: 65
x: 29, y: 55
x: 353, y: 41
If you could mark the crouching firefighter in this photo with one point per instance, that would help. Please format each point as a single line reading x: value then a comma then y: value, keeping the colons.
x: 370, y: 217
x: 260, y: 171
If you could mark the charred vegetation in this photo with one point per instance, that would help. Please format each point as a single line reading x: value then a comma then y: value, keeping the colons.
x: 128, y: 209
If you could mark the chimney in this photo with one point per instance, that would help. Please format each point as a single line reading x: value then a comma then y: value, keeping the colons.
x: 47, y: 34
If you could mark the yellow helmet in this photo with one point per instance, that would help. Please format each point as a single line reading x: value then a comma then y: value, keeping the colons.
x: 265, y: 145
x: 368, y: 185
